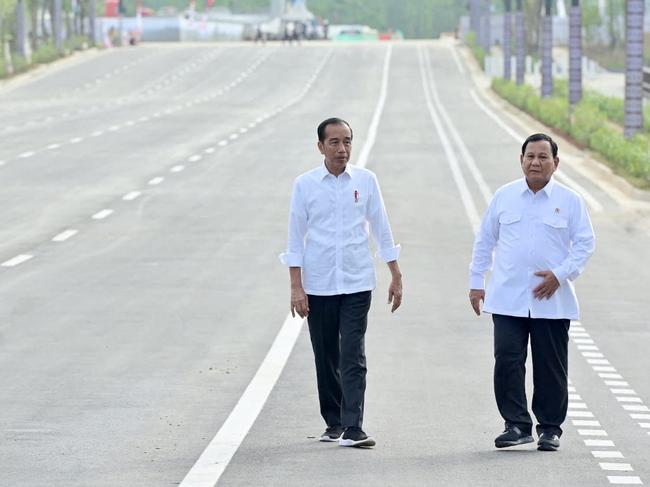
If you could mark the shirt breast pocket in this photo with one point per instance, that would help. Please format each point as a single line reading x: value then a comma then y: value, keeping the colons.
x: 509, y: 226
x: 556, y: 228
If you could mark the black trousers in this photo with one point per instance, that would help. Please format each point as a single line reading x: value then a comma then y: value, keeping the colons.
x: 549, y: 341
x: 337, y: 327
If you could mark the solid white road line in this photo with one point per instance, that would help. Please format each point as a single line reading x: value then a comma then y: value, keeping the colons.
x: 63, y: 236
x: 213, y: 461
x: 19, y: 259
x: 459, y: 65
x: 467, y: 157
x: 452, y: 160
x: 362, y: 160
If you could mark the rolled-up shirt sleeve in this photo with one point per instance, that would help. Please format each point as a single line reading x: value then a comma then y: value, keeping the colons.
x: 379, y: 225
x: 293, y: 257
x: 583, y: 244
x: 484, y: 243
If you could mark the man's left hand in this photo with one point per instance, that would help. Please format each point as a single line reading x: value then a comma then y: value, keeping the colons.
x: 549, y: 285
x: 395, y: 294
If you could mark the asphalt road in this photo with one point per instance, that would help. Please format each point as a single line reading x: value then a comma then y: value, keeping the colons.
x: 144, y: 203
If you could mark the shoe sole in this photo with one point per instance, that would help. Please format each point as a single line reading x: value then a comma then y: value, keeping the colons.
x: 368, y: 442
x: 547, y: 447
x: 520, y: 441
x: 329, y: 439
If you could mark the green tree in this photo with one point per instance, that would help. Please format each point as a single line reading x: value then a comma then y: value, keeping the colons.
x: 7, y: 15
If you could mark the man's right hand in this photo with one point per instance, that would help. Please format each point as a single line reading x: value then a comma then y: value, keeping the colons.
x: 299, y: 302
x: 475, y: 298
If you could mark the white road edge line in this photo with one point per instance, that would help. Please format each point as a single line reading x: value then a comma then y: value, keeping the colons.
x: 465, y: 194
x: 215, y: 458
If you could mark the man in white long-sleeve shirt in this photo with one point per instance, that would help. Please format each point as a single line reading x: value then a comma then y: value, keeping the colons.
x: 541, y: 236
x: 333, y: 207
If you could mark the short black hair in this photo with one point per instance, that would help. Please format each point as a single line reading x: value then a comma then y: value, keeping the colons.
x: 537, y: 138
x: 331, y: 121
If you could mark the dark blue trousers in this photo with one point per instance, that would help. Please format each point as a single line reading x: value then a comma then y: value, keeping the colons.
x: 337, y: 327
x: 549, y: 341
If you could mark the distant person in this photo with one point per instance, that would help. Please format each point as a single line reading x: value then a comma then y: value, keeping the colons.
x: 289, y: 31
x: 326, y: 29
x: 543, y: 239
x: 333, y: 209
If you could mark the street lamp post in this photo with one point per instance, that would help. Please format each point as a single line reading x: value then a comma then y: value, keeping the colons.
x: 575, y: 53
x: 547, y: 52
x: 487, y: 34
x: 634, y: 67
x: 507, y: 72
x: 520, y: 39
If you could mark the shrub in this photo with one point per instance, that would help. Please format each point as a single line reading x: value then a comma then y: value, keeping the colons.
x: 590, y: 124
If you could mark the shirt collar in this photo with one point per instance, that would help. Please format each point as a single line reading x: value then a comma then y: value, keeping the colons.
x: 548, y: 189
x: 323, y: 173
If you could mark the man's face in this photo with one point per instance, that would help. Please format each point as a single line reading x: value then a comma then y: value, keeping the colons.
x: 538, y: 164
x: 336, y: 147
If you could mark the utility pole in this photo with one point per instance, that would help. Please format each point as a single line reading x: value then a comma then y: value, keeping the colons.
x: 475, y: 18
x: 21, y: 44
x: 92, y: 21
x: 487, y: 33
x: 547, y: 51
x: 507, y: 71
x: 634, y: 67
x: 520, y: 39
x: 575, y: 53
x: 58, y: 26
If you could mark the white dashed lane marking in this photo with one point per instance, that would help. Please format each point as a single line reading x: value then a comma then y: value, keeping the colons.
x: 100, y: 215
x: 131, y: 195
x: 19, y: 259
x: 63, y: 236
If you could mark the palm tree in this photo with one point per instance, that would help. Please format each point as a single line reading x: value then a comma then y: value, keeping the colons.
x: 506, y: 39
x: 547, y: 52
x: 575, y: 53
x: 634, y: 67
x: 520, y: 35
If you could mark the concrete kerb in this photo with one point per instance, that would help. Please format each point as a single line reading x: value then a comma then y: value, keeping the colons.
x: 586, y: 162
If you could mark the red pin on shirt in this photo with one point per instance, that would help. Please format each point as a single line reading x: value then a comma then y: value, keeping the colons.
x: 356, y: 196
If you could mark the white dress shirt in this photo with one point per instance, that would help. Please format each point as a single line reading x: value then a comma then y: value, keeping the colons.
x: 531, y: 232
x: 329, y: 224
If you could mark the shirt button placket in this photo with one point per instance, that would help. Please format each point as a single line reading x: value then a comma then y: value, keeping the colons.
x: 338, y: 212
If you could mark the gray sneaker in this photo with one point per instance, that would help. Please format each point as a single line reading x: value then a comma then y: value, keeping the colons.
x: 512, y: 436
x: 548, y: 442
